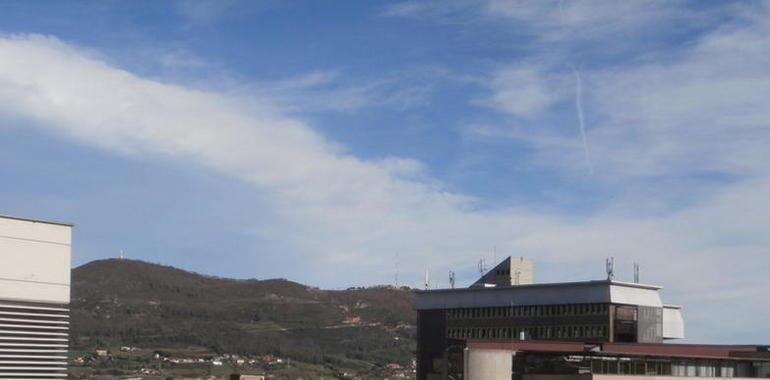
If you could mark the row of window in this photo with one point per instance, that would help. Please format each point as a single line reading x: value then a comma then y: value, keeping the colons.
x: 533, y: 332
x: 529, y: 311
x: 630, y: 367
x: 661, y: 368
x: 702, y: 369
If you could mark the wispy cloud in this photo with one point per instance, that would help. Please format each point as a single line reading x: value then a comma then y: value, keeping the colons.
x: 202, y: 12
x: 338, y: 91
x: 180, y: 59
x: 199, y: 13
x: 557, y: 20
x: 581, y: 119
x: 523, y: 90
x: 692, y: 111
x: 585, y: 20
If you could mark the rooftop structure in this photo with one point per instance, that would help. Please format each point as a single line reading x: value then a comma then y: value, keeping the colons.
x: 34, y: 298
x: 498, y: 310
x: 511, y: 271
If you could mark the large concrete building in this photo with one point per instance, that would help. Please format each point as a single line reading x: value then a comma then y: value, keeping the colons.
x: 502, y: 307
x: 34, y: 298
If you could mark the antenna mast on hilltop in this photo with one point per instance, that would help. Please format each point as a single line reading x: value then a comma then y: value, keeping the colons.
x: 397, y: 270
x: 121, y: 255
x: 610, y: 268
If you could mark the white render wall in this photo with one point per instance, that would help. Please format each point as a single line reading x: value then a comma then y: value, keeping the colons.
x: 673, y: 323
x: 628, y: 294
x: 34, y: 261
x: 483, y: 364
x: 521, y: 271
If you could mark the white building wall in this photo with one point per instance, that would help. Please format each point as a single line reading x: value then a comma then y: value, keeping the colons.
x: 673, y: 322
x: 633, y: 294
x: 485, y: 364
x: 34, y: 293
x: 521, y: 271
x: 34, y: 261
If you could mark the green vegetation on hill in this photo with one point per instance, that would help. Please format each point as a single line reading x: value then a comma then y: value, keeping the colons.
x: 132, y: 303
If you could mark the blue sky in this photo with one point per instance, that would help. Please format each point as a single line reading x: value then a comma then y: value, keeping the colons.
x: 333, y: 142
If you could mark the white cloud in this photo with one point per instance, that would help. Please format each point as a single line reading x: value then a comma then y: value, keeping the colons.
x: 201, y: 12
x: 408, y: 8
x: 550, y: 21
x: 523, y: 90
x: 337, y: 91
x: 586, y: 19
x: 703, y: 112
x: 180, y: 59
x: 449, y: 11
x: 334, y: 204
x: 687, y: 128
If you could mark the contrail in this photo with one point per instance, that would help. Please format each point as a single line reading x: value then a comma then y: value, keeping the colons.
x: 579, y: 106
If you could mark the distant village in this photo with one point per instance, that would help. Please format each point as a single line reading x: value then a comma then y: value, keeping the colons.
x: 258, y: 367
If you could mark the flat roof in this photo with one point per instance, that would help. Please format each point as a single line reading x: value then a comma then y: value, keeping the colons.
x: 35, y: 220
x: 598, y: 291
x: 544, y: 285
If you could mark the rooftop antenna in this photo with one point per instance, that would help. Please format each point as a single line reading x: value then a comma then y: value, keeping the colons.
x: 482, y: 267
x: 494, y: 255
x: 451, y: 279
x: 610, y: 268
x: 427, y: 284
x: 121, y: 255
x: 636, y: 273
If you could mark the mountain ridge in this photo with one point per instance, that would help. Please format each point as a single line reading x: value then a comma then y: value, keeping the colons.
x: 117, y: 302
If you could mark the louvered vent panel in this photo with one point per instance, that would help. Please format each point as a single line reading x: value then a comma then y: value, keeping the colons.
x: 33, y: 341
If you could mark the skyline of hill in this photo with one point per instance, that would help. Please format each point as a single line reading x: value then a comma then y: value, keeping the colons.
x: 118, y: 302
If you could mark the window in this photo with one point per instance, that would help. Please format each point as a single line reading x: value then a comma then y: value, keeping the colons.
x: 726, y: 371
x: 706, y: 369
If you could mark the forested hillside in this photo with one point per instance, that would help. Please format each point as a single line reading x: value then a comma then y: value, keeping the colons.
x: 133, y: 303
